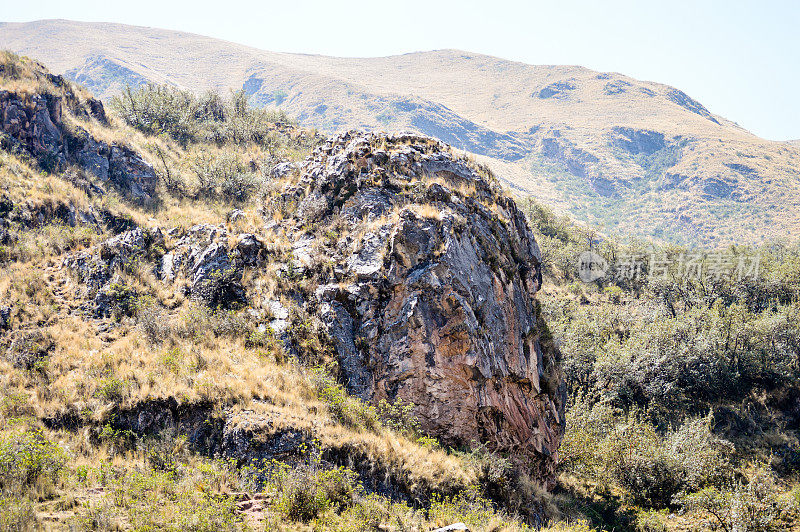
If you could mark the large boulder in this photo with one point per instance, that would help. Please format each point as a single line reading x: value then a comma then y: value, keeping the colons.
x: 431, y: 299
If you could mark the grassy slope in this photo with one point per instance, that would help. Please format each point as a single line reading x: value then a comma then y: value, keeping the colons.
x: 759, y: 198
x: 66, y: 464
x: 99, y: 365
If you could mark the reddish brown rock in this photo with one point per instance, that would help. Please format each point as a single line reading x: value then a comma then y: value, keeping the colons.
x: 432, y: 300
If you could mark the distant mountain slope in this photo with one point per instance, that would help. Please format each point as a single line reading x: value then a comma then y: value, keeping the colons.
x: 640, y: 158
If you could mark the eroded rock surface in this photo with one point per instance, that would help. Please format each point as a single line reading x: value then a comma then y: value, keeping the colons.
x: 431, y: 297
x: 422, y: 272
x: 34, y: 125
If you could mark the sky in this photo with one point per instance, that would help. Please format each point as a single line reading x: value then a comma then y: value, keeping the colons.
x: 741, y: 59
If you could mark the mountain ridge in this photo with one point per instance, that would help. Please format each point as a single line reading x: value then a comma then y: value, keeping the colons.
x: 639, y: 158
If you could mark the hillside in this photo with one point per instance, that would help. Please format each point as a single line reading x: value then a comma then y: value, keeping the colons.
x: 214, y: 329
x: 213, y: 319
x: 637, y: 158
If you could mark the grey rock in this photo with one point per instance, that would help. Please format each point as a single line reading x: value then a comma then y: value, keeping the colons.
x: 282, y: 170
x: 453, y: 527
x: 249, y: 250
x: 5, y: 318
x: 34, y: 124
x: 131, y: 173
x: 93, y: 158
x: 431, y: 297
x: 235, y: 216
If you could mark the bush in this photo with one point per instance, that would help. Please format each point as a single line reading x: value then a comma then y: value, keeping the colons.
x: 307, y: 491
x: 635, y: 459
x: 467, y: 507
x: 155, y: 109
x: 223, y: 175
x: 152, y: 320
x: 29, y: 459
x: 399, y: 416
x: 754, y: 506
x: 157, y: 500
x: 111, y: 389
x: 348, y: 410
x: 17, y: 515
x: 628, y: 452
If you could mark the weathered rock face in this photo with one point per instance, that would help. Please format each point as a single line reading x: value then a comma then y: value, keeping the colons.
x: 423, y: 273
x: 431, y: 296
x: 33, y: 124
x: 202, y: 255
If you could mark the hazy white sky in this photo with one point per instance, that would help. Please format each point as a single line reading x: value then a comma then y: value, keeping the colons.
x: 741, y: 59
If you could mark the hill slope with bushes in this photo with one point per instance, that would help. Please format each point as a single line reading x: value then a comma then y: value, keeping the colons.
x: 213, y: 319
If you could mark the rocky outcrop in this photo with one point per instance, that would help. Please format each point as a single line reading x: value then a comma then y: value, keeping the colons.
x: 33, y: 124
x: 432, y: 296
x: 637, y: 141
x: 202, y: 255
x: 214, y: 269
x: 422, y: 272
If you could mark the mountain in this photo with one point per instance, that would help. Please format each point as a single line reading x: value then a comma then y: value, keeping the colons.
x: 637, y: 158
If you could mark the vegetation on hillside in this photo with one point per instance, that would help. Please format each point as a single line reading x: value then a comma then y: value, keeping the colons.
x: 69, y: 379
x: 683, y: 381
x: 681, y: 389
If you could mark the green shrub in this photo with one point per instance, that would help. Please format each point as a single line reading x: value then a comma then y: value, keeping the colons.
x: 651, y: 521
x: 348, y: 410
x: 308, y: 490
x: 399, y: 416
x: 223, y: 175
x: 627, y: 451
x: 754, y: 506
x: 467, y: 507
x: 155, y: 109
x: 29, y: 459
x: 158, y: 500
x: 17, y: 515
x: 111, y: 389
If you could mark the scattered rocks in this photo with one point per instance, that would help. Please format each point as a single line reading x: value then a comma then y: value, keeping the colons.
x: 96, y: 269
